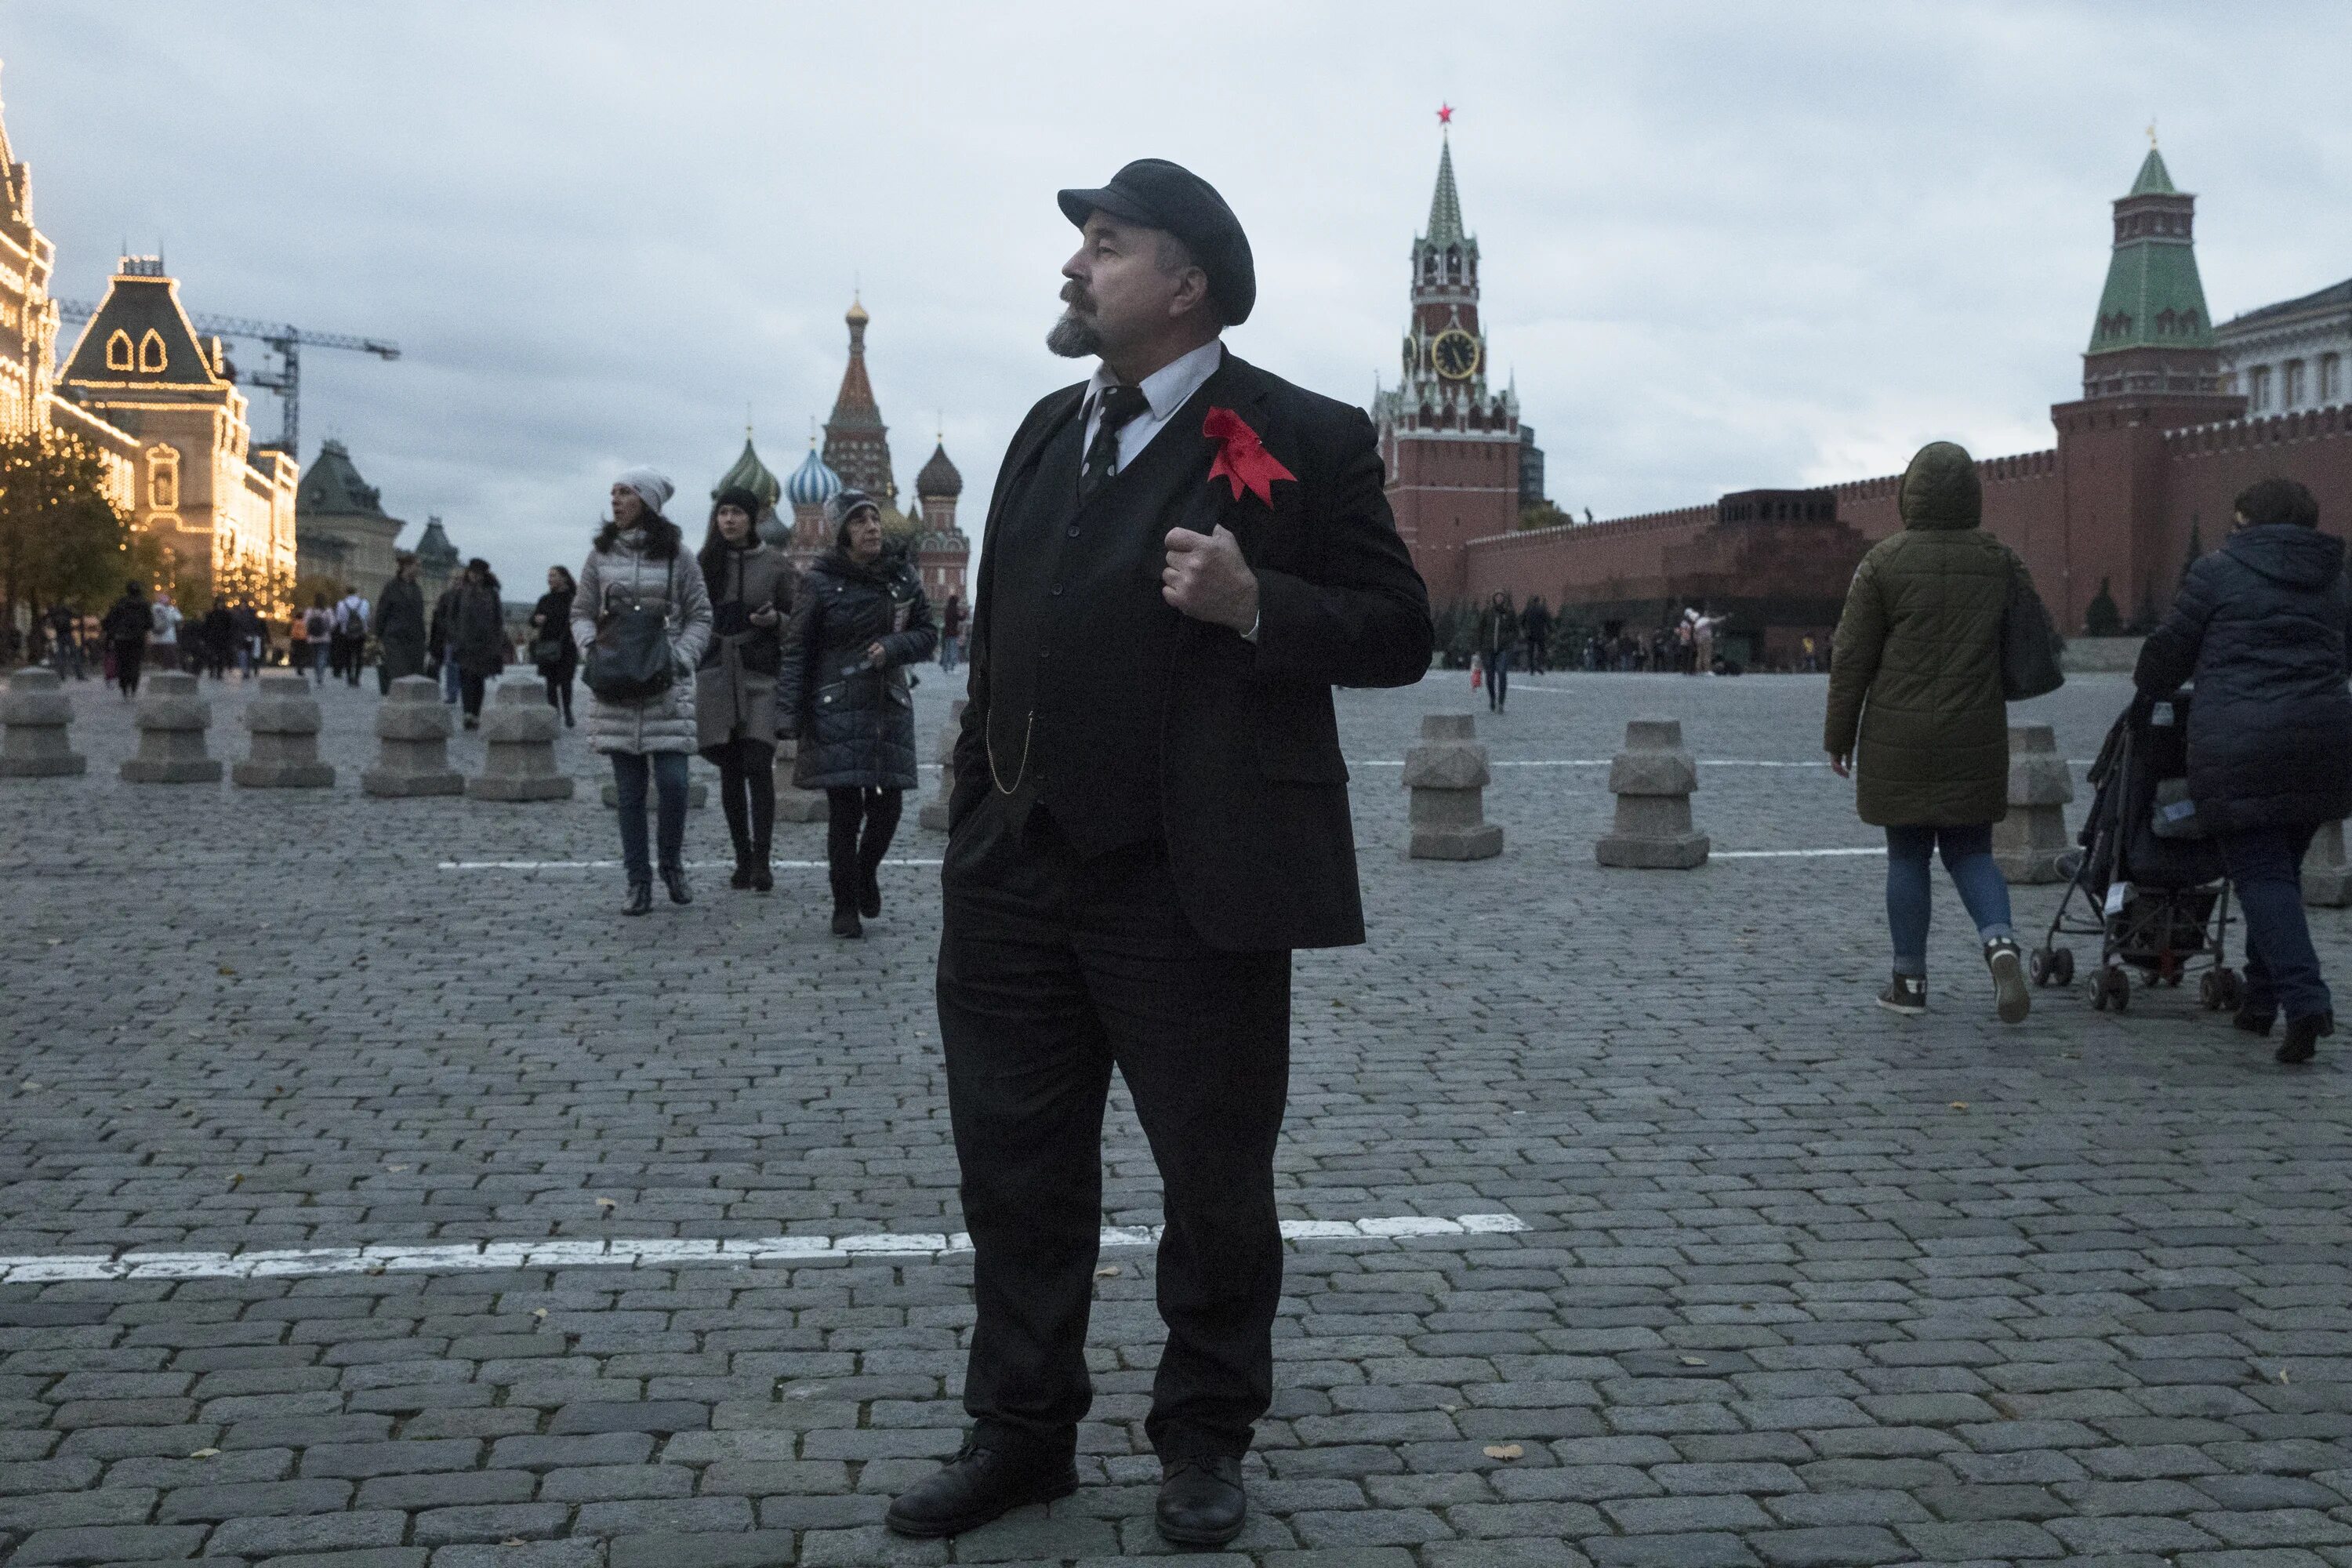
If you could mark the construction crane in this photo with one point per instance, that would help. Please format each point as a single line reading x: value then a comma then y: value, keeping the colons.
x: 287, y: 341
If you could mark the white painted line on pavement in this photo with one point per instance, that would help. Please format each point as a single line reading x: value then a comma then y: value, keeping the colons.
x: 615, y: 865
x: 649, y: 1252
x: 1791, y: 854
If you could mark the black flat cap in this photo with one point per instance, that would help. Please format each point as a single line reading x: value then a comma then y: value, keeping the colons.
x: 1162, y: 194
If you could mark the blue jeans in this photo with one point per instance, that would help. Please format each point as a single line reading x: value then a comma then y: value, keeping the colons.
x: 449, y: 674
x: 1498, y: 666
x: 667, y: 770
x: 2281, y: 967
x: 1968, y: 856
x: 947, y: 653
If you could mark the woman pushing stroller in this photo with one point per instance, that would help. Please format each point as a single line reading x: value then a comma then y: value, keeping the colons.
x: 2262, y: 626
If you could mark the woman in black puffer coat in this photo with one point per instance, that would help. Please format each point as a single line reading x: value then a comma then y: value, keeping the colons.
x: 842, y: 694
x: 2263, y: 626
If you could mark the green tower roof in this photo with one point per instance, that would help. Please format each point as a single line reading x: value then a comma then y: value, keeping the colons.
x: 752, y: 475
x: 1445, y: 204
x: 2154, y: 298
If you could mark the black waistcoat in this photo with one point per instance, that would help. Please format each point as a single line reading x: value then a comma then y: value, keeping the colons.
x: 1080, y: 642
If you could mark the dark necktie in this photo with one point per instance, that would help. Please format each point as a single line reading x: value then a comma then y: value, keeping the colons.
x: 1118, y: 406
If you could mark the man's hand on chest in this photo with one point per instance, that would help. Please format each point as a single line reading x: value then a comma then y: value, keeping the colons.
x: 1206, y: 578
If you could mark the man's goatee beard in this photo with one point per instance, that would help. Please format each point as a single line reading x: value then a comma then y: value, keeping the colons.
x: 1074, y: 337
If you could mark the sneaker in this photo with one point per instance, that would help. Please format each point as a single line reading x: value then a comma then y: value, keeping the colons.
x: 2303, y: 1037
x: 2011, y: 996
x: 1905, y: 993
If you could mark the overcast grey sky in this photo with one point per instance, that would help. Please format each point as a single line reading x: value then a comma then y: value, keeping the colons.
x: 1724, y: 245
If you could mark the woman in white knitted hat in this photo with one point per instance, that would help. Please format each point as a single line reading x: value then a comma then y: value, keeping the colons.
x: 642, y: 595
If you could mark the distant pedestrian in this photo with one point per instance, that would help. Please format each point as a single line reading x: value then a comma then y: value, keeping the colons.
x: 1916, y: 716
x: 400, y: 623
x: 1807, y: 659
x: 219, y: 639
x: 441, y: 639
x: 478, y: 637
x: 163, y: 621
x: 318, y: 634
x: 65, y: 642
x: 1534, y: 633
x: 1498, y: 633
x: 252, y: 639
x: 351, y: 629
x: 750, y: 588
x: 843, y: 691
x: 2260, y: 625
x: 952, y: 618
x: 641, y: 595
x: 126, y: 628
x: 552, y: 653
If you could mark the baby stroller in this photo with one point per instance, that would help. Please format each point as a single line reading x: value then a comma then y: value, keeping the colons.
x: 2153, y: 885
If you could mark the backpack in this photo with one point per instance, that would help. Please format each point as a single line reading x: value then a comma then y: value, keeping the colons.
x: 316, y: 625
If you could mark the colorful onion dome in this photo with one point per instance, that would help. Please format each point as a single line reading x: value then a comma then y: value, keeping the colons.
x: 812, y: 484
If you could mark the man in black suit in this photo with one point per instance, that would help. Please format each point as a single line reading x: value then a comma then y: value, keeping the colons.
x: 1183, y: 555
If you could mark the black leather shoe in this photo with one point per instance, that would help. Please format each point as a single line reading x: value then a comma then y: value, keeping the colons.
x: 2303, y: 1037
x: 641, y: 899
x: 869, y: 895
x: 976, y: 1486
x: 2253, y: 1020
x: 674, y: 879
x: 845, y: 924
x: 1201, y: 1502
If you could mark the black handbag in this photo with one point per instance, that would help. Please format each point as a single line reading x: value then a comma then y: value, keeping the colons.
x: 631, y: 660
x: 2029, y: 643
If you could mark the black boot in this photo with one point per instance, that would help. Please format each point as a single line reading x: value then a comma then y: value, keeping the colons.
x: 763, y: 874
x: 1201, y: 1502
x: 674, y: 879
x: 845, y: 921
x: 976, y: 1486
x: 741, y: 880
x: 641, y: 899
x: 2303, y: 1037
x: 869, y: 892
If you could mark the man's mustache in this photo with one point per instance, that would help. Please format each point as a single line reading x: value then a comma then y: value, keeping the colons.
x: 1075, y: 296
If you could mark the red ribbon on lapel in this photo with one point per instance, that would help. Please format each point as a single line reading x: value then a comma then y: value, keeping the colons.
x: 1243, y: 460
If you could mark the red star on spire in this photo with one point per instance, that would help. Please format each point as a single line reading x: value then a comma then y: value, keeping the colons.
x: 1445, y: 114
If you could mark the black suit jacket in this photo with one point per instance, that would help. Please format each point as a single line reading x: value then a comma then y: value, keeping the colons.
x: 1253, y: 789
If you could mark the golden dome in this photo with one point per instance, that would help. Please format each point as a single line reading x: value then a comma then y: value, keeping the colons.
x: 857, y: 316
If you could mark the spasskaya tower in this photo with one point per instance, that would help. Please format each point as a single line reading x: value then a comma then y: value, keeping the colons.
x: 1451, y: 444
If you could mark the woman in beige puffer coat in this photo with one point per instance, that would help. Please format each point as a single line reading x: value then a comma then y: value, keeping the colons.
x: 640, y: 558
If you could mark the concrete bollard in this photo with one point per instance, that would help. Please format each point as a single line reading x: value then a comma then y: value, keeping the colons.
x: 934, y: 814
x: 518, y: 730
x: 284, y: 720
x: 413, y: 727
x: 2327, y: 879
x: 172, y: 720
x: 1652, y: 779
x: 2027, y: 843
x: 35, y: 712
x: 795, y: 803
x: 1448, y: 776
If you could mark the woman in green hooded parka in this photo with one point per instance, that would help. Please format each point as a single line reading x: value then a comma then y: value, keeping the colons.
x: 1916, y: 716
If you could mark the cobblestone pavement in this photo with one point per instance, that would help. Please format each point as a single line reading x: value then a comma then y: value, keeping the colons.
x: 1803, y: 1283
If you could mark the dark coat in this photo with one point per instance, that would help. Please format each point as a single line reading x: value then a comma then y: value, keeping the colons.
x: 1254, y: 791
x: 553, y: 616
x: 399, y: 628
x: 1915, y: 683
x: 479, y: 627
x: 855, y: 724
x: 444, y: 629
x: 2263, y: 624
x: 127, y: 621
x: 1498, y: 629
x: 735, y: 687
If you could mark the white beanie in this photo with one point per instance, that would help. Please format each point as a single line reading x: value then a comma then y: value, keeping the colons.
x: 653, y: 488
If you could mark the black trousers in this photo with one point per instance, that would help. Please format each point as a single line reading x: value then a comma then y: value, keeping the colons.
x: 851, y: 855
x: 470, y: 687
x: 747, y: 791
x: 1053, y: 970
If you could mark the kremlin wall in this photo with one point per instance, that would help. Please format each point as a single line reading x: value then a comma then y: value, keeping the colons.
x: 2140, y: 478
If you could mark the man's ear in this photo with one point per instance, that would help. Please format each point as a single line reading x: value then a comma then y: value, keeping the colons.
x: 1192, y: 293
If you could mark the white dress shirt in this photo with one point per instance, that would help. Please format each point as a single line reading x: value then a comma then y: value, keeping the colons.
x: 1165, y: 390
